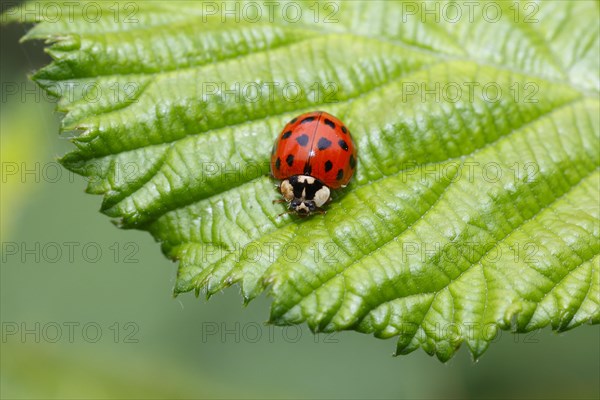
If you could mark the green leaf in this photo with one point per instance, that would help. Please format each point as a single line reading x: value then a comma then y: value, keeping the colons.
x: 475, y: 203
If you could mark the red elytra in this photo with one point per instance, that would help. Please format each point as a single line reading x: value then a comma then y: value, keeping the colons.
x: 316, y: 144
x: 313, y: 150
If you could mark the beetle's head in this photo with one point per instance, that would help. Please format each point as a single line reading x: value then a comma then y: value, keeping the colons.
x: 304, y: 193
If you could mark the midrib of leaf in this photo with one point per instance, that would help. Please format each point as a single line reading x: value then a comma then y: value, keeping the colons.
x: 163, y: 210
x: 234, y: 185
x: 225, y: 280
x: 369, y: 181
x: 141, y: 183
x: 277, y: 313
x: 123, y: 200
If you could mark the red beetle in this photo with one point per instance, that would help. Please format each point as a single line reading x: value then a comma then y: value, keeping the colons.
x: 313, y: 154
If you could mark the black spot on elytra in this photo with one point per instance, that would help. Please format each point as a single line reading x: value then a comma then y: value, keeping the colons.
x: 289, y: 160
x: 329, y: 123
x: 307, y: 119
x: 302, y: 140
x: 293, y: 121
x: 307, y: 169
x: 340, y: 174
x: 323, y: 143
x: 344, y: 129
x: 286, y: 135
x: 352, y: 161
x: 343, y: 144
x: 328, y: 166
x: 278, y: 163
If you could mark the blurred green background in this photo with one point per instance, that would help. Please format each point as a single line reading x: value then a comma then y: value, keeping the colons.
x: 123, y: 335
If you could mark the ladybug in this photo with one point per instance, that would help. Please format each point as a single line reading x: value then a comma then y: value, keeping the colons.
x: 313, y: 154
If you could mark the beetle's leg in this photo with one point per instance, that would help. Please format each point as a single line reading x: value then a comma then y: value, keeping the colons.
x: 287, y: 212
